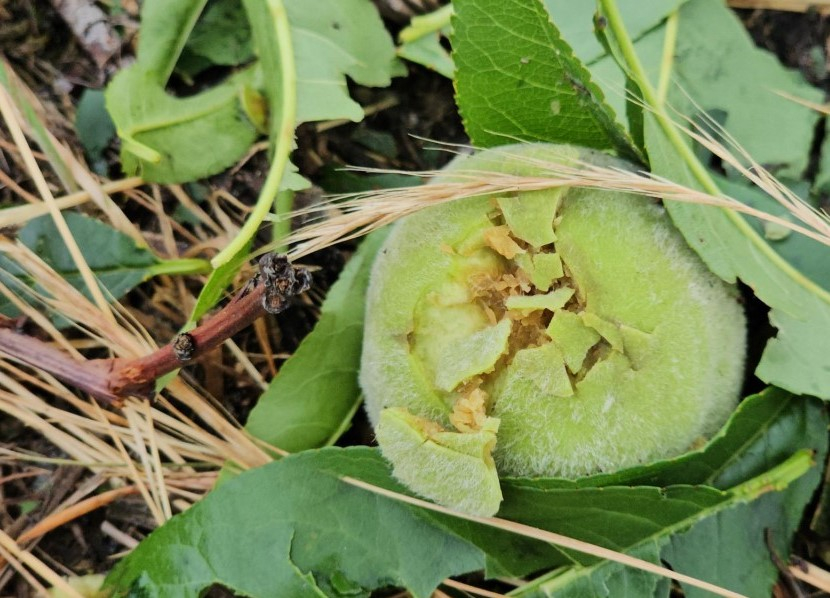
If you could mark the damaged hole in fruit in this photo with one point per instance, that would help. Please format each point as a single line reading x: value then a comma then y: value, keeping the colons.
x: 560, y: 332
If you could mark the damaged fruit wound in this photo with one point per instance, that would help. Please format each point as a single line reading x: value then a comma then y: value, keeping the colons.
x: 560, y: 332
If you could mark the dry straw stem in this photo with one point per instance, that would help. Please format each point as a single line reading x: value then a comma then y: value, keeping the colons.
x: 55, y: 520
x: 18, y: 215
x: 25, y: 113
x: 22, y: 557
x: 160, y: 450
x: 451, y: 583
x: 809, y: 573
x: 822, y: 108
x: 362, y: 213
x: 7, y: 110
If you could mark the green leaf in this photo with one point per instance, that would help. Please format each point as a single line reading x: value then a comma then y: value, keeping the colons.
x: 806, y: 255
x: 113, y: 257
x: 165, y: 27
x: 163, y: 137
x: 428, y: 51
x: 214, y: 289
x: 518, y: 80
x: 606, y: 579
x: 316, y: 392
x: 796, y: 359
x: 338, y: 38
x: 575, y: 21
x: 94, y: 127
x: 292, y: 528
x: 740, y: 558
x: 421, y: 41
x: 290, y: 520
x: 625, y: 509
x: 221, y: 36
x: 717, y: 66
x: 727, y: 546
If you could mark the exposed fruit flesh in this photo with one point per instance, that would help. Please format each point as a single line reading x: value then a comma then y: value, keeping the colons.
x: 569, y: 331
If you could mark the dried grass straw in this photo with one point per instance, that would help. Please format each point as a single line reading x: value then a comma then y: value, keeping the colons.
x: 362, y: 213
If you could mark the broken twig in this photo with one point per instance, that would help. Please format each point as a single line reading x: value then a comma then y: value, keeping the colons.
x: 110, y: 380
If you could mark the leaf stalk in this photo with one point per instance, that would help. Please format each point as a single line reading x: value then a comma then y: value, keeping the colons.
x: 283, y: 142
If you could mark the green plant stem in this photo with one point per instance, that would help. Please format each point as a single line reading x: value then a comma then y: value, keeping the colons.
x: 615, y: 21
x: 165, y: 69
x: 684, y: 149
x: 179, y: 266
x: 282, y: 222
x: 778, y: 478
x: 283, y: 141
x: 425, y: 24
x: 667, y: 61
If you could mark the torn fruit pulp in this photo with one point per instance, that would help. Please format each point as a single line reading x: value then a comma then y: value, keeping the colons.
x: 558, y: 332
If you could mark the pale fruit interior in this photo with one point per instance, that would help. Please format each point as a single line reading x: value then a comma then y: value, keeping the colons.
x: 569, y: 331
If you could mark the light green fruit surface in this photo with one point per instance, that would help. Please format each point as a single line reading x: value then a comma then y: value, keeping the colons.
x: 621, y: 347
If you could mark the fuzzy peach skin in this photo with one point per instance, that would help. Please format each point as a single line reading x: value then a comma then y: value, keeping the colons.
x: 560, y: 332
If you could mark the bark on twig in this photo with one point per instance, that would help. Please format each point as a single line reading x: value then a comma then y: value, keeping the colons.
x: 110, y: 380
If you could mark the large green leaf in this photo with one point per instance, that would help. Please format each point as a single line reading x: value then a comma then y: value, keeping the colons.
x: 640, y: 504
x: 718, y: 67
x: 726, y: 544
x: 293, y: 519
x: 167, y: 139
x: 805, y: 254
x: 745, y: 535
x: 165, y: 28
x: 729, y: 546
x: 312, y: 399
x: 338, y: 38
x: 114, y: 258
x: 164, y: 137
x: 518, y: 80
x: 292, y: 528
x: 575, y: 20
x: 421, y: 40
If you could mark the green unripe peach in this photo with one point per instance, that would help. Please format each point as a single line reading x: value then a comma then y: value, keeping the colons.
x: 559, y: 332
